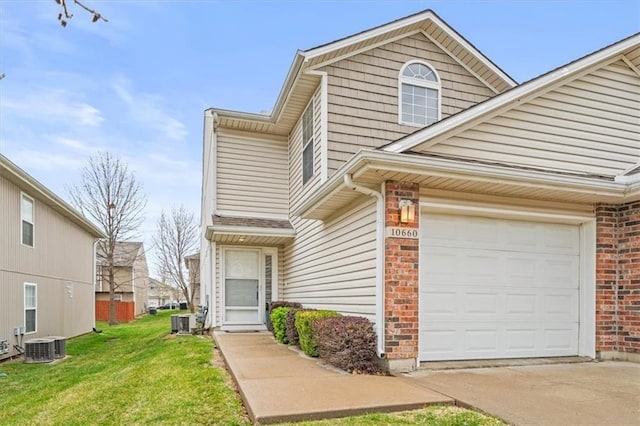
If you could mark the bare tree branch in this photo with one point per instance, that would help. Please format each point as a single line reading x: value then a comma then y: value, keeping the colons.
x: 110, y: 195
x: 65, y: 15
x: 176, y: 238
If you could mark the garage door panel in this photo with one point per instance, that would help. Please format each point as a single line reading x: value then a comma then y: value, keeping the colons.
x: 480, y: 304
x: 480, y: 340
x: 509, y: 269
x: 487, y: 233
x: 494, y: 288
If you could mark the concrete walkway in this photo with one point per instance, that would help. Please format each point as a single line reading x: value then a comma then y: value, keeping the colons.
x: 588, y: 393
x: 280, y: 384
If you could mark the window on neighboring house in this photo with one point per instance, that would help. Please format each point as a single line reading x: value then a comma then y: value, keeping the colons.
x: 26, y: 217
x: 307, y: 144
x: 419, y: 94
x: 99, y: 278
x: 30, y: 307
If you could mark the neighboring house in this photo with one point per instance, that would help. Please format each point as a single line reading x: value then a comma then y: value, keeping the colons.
x: 131, y: 276
x: 44, y: 290
x: 193, y: 265
x: 404, y: 177
x: 160, y: 293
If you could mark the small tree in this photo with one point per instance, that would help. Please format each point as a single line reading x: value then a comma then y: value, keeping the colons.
x: 176, y: 238
x: 111, y: 196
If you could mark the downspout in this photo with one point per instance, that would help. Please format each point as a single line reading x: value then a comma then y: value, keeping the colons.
x: 379, y: 258
x: 95, y: 270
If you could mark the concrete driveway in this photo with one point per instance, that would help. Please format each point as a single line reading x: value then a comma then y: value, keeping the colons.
x: 591, y: 393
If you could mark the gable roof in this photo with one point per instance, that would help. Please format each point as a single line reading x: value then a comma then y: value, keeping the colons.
x: 627, y: 49
x: 303, y: 78
x: 33, y: 188
x: 125, y: 253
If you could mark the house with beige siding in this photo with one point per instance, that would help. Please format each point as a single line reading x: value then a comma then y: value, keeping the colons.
x: 404, y: 177
x: 44, y: 291
x: 131, y: 280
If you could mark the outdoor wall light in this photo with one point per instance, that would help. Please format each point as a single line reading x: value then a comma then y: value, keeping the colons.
x: 407, y: 211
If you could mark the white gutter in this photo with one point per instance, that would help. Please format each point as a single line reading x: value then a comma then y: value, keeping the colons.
x: 379, y: 257
x: 95, y: 270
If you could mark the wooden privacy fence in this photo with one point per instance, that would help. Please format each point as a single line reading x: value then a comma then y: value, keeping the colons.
x: 125, y: 311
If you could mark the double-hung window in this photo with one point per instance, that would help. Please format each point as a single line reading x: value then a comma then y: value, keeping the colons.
x: 26, y: 218
x: 419, y: 94
x: 30, y: 308
x: 307, y: 144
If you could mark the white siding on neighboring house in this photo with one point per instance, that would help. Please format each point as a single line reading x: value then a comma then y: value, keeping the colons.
x: 333, y: 265
x: 363, y: 94
x: 251, y: 176
x: 588, y: 125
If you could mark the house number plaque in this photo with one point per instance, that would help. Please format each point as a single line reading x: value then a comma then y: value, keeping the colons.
x: 398, y: 232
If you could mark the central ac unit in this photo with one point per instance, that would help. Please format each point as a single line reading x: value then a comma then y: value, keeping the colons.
x: 60, y: 346
x: 39, y: 350
x: 186, y: 323
x: 4, y: 347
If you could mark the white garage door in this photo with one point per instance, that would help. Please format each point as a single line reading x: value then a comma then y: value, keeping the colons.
x: 494, y: 288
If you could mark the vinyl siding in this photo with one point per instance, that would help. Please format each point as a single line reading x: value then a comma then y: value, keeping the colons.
x: 251, y: 176
x: 363, y: 95
x: 64, y: 278
x: 333, y: 265
x: 589, y: 125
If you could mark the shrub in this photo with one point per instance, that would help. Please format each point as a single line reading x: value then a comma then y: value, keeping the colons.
x: 347, y: 342
x: 279, y: 321
x: 292, y: 331
x: 303, y: 322
x: 276, y: 304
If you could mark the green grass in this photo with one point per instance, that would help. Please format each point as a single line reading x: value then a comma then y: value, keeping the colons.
x: 432, y: 416
x: 138, y: 373
x: 130, y: 374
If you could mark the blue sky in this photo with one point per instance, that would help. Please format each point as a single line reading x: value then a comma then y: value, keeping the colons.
x: 138, y: 85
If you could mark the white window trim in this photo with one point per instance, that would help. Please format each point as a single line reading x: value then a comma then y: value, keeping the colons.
x: 33, y: 225
x: 24, y: 302
x: 414, y: 82
x: 306, y: 143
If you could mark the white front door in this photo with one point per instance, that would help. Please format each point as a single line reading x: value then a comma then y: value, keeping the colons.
x: 243, y: 287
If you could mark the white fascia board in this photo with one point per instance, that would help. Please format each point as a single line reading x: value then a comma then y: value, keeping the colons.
x: 367, y: 34
x: 399, y: 24
x: 512, y: 95
x: 490, y: 173
x: 283, y: 96
x: 250, y: 231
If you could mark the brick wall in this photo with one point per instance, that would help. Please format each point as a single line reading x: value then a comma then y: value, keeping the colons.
x: 618, y: 278
x: 401, y: 276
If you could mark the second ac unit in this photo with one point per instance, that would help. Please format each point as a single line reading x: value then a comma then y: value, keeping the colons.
x: 60, y: 346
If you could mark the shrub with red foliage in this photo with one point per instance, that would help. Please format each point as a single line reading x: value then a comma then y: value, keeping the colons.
x: 347, y: 342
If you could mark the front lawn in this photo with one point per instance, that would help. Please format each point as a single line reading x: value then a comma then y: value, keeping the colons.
x: 134, y: 373
x: 139, y: 373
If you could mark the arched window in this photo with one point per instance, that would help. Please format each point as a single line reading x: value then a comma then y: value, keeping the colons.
x: 418, y: 94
